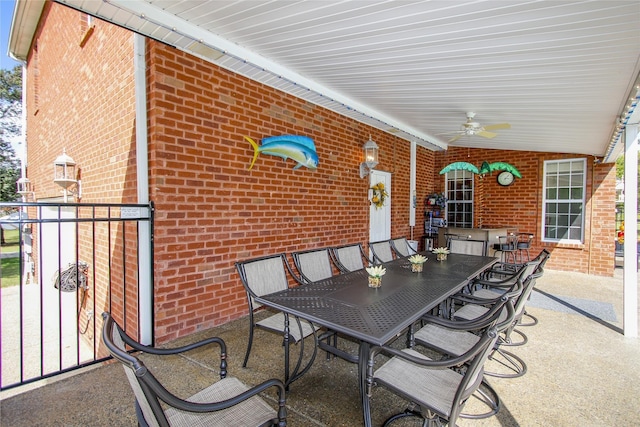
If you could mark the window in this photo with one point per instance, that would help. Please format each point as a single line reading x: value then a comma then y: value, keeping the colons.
x: 459, y: 198
x: 563, y: 204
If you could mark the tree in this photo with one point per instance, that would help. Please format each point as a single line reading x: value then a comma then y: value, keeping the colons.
x: 10, y: 113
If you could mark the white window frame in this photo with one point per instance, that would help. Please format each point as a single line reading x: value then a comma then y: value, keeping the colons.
x: 454, y: 176
x: 553, y: 177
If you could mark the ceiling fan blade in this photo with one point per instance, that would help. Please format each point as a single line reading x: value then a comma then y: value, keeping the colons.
x: 498, y: 126
x: 455, y: 138
x: 485, y: 134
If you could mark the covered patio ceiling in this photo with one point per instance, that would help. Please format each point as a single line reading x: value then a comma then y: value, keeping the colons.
x: 563, y: 74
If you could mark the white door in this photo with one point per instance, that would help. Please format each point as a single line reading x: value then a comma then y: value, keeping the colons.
x: 380, y: 218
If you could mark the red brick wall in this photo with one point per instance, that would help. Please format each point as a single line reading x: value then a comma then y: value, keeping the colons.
x: 519, y: 206
x: 213, y: 211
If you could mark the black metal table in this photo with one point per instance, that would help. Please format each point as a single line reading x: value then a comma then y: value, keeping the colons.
x: 375, y: 316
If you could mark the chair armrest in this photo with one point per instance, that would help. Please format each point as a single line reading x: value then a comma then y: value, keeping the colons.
x: 177, y: 350
x: 185, y: 405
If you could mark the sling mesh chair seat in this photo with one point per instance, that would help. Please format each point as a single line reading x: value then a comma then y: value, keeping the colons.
x: 266, y: 275
x: 381, y: 251
x: 350, y: 258
x: 437, y: 393
x: 401, y: 247
x: 227, y: 402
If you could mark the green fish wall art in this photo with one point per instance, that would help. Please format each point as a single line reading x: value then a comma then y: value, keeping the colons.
x: 296, y: 147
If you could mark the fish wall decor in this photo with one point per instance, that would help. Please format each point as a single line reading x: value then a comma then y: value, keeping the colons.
x: 296, y: 147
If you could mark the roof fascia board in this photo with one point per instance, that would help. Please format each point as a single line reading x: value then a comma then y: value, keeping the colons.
x: 26, y: 16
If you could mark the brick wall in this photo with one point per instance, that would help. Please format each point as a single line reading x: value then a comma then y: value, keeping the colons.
x: 519, y: 206
x: 210, y: 209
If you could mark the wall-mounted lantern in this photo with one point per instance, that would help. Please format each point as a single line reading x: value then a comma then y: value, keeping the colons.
x: 65, y: 175
x: 370, y: 150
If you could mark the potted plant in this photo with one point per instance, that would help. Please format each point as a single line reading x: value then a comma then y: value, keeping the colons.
x: 375, y: 275
x: 416, y: 262
x: 441, y: 253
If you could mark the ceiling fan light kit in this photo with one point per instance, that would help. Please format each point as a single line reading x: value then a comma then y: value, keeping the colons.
x: 473, y: 128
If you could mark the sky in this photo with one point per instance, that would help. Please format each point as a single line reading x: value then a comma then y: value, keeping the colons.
x: 6, y: 15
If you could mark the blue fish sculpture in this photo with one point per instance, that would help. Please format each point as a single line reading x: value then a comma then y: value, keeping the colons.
x: 299, y: 148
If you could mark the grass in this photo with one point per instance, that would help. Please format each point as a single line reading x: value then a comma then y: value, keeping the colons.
x: 10, y: 267
x: 10, y: 272
x: 12, y: 244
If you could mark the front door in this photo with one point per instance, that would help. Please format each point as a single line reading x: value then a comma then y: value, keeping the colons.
x: 380, y: 218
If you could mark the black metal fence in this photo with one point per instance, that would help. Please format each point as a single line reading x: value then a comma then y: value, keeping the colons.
x: 63, y: 264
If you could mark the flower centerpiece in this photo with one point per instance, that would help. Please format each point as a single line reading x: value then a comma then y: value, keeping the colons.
x: 375, y: 275
x: 379, y: 195
x: 441, y: 253
x: 416, y: 262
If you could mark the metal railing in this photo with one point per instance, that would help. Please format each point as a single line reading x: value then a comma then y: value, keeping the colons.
x: 63, y: 264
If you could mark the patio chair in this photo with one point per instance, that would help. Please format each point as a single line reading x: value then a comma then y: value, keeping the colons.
x: 478, y: 306
x: 437, y: 393
x: 452, y: 338
x: 266, y: 275
x: 314, y: 264
x: 226, y: 402
x: 401, y: 247
x: 381, y: 251
x: 350, y: 258
x: 467, y: 246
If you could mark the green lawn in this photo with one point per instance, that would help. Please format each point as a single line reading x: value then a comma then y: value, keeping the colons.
x: 10, y: 271
x: 11, y: 241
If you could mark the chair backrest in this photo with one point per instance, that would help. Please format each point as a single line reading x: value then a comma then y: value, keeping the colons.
x: 313, y: 265
x: 265, y: 275
x: 402, y: 248
x: 114, y: 339
x: 467, y: 246
x: 524, y: 240
x: 349, y: 257
x: 508, y: 242
x: 381, y: 251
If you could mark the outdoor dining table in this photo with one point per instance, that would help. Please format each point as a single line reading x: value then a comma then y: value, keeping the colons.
x: 376, y: 316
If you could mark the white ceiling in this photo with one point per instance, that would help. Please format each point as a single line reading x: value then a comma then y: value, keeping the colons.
x: 560, y: 72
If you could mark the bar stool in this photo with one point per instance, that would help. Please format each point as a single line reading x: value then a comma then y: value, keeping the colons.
x: 523, y: 245
x: 507, y: 246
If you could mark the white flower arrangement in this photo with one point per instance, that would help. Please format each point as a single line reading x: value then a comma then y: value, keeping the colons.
x: 417, y: 259
x: 441, y: 250
x: 377, y: 271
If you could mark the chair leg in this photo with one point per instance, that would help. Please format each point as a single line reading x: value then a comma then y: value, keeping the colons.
x: 249, y: 344
x: 507, y: 360
x: 489, y: 397
x: 532, y: 322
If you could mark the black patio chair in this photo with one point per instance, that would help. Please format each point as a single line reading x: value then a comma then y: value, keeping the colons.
x: 436, y: 392
x: 381, y: 251
x: 314, y: 264
x: 467, y: 246
x: 266, y: 275
x: 224, y: 403
x: 350, y: 258
x: 401, y: 247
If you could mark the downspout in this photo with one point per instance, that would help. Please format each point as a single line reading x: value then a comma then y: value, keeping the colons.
x: 145, y: 279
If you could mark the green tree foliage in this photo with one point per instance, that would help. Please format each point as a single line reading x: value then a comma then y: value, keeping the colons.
x: 10, y: 113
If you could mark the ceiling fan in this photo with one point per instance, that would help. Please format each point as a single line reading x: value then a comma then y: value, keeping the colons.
x: 471, y: 128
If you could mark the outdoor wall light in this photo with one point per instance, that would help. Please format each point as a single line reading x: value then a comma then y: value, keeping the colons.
x: 370, y: 150
x: 24, y: 188
x: 65, y: 175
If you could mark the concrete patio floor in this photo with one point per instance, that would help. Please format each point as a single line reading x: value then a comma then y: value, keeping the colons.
x: 581, y: 372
